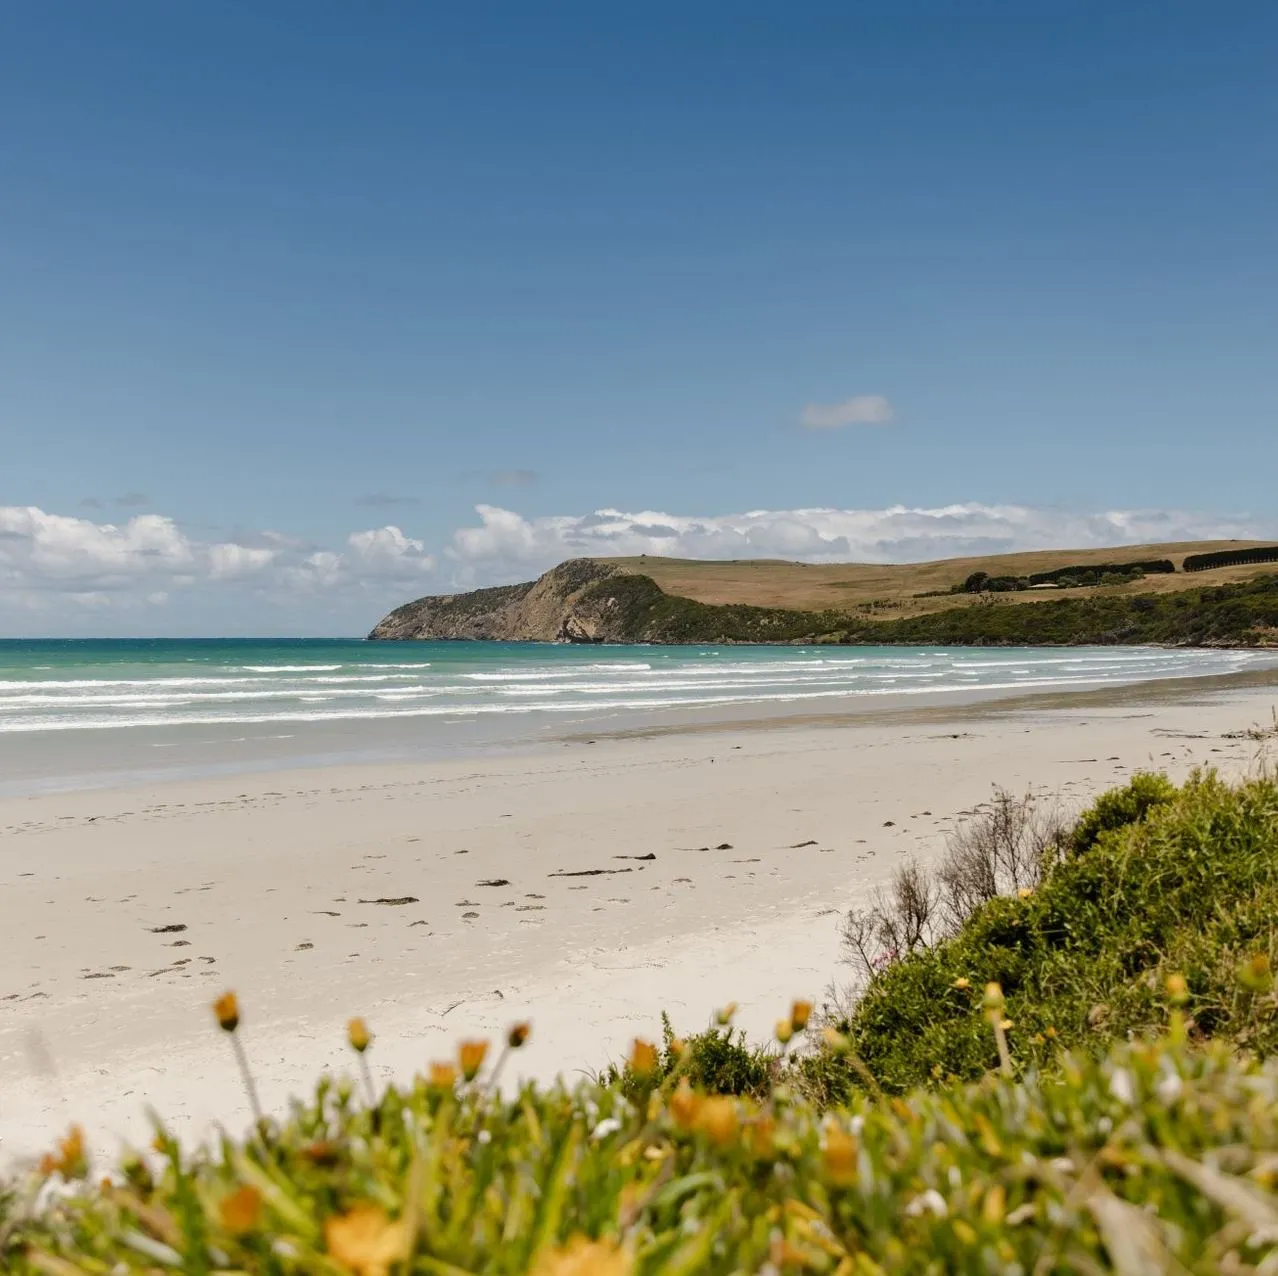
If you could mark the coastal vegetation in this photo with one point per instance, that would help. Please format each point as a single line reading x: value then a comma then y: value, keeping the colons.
x: 1244, y: 614
x: 1067, y: 1071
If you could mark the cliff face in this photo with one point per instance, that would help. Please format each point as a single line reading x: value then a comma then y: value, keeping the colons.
x: 583, y: 600
x: 564, y: 605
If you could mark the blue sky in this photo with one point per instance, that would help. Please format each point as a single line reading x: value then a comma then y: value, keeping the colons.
x: 277, y: 275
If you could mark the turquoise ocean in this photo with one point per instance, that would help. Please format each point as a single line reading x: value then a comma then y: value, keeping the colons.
x: 76, y: 712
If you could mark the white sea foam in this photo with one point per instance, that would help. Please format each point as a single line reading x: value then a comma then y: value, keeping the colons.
x: 482, y: 681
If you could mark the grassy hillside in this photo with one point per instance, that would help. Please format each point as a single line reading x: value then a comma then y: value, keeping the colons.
x: 1071, y: 1149
x: 909, y: 589
x: 1240, y: 614
x: 1243, y: 614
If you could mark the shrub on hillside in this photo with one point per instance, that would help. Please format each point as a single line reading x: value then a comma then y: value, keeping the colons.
x: 1231, y: 558
x: 718, y: 1059
x: 1002, y: 850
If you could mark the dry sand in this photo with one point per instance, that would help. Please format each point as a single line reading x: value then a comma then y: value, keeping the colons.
x: 585, y: 886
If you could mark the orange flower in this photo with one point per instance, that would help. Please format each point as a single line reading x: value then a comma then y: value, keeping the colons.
x: 470, y: 1055
x: 366, y: 1241
x: 582, y: 1257
x: 227, y: 1010
x: 69, y: 1160
x: 241, y: 1210
x: 441, y: 1076
x: 518, y: 1035
x: 800, y: 1013
x: 358, y: 1035
x: 838, y: 1157
x: 643, y: 1059
x: 322, y: 1152
x: 685, y: 1105
x: 717, y: 1119
x: 724, y: 1016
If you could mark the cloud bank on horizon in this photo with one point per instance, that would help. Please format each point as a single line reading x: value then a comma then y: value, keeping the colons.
x: 68, y: 574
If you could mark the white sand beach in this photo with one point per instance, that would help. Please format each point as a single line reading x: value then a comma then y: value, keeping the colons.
x: 584, y: 886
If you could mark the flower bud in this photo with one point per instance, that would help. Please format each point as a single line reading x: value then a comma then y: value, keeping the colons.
x: 358, y: 1035
x: 227, y: 1010
x: 470, y: 1055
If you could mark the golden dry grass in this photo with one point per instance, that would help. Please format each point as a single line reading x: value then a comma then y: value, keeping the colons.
x: 894, y: 588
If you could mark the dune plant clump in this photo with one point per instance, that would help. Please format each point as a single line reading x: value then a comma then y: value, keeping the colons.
x: 1153, y: 880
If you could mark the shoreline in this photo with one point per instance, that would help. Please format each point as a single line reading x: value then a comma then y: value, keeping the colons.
x: 75, y: 759
x: 448, y: 899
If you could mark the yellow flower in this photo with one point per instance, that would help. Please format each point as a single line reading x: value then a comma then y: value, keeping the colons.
x: 643, y: 1058
x: 69, y: 1160
x: 800, y: 1013
x: 1025, y: 892
x: 241, y: 1210
x: 995, y: 1204
x: 441, y: 1076
x: 784, y: 1031
x: 1049, y: 1032
x: 358, y: 1035
x: 838, y: 1157
x: 1005, y: 1024
x: 471, y: 1057
x: 961, y: 983
x: 582, y: 1257
x: 677, y: 1046
x: 518, y: 1035
x: 724, y: 1016
x: 834, y: 1041
x: 760, y: 1137
x: 717, y: 1119
x: 1177, y: 989
x: 685, y: 1105
x: 366, y: 1241
x: 227, y: 1010
x: 784, y: 1253
x: 1255, y: 974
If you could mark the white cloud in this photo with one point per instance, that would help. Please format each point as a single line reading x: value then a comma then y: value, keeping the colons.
x: 54, y: 567
x: 65, y: 574
x: 506, y: 546
x: 861, y: 409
